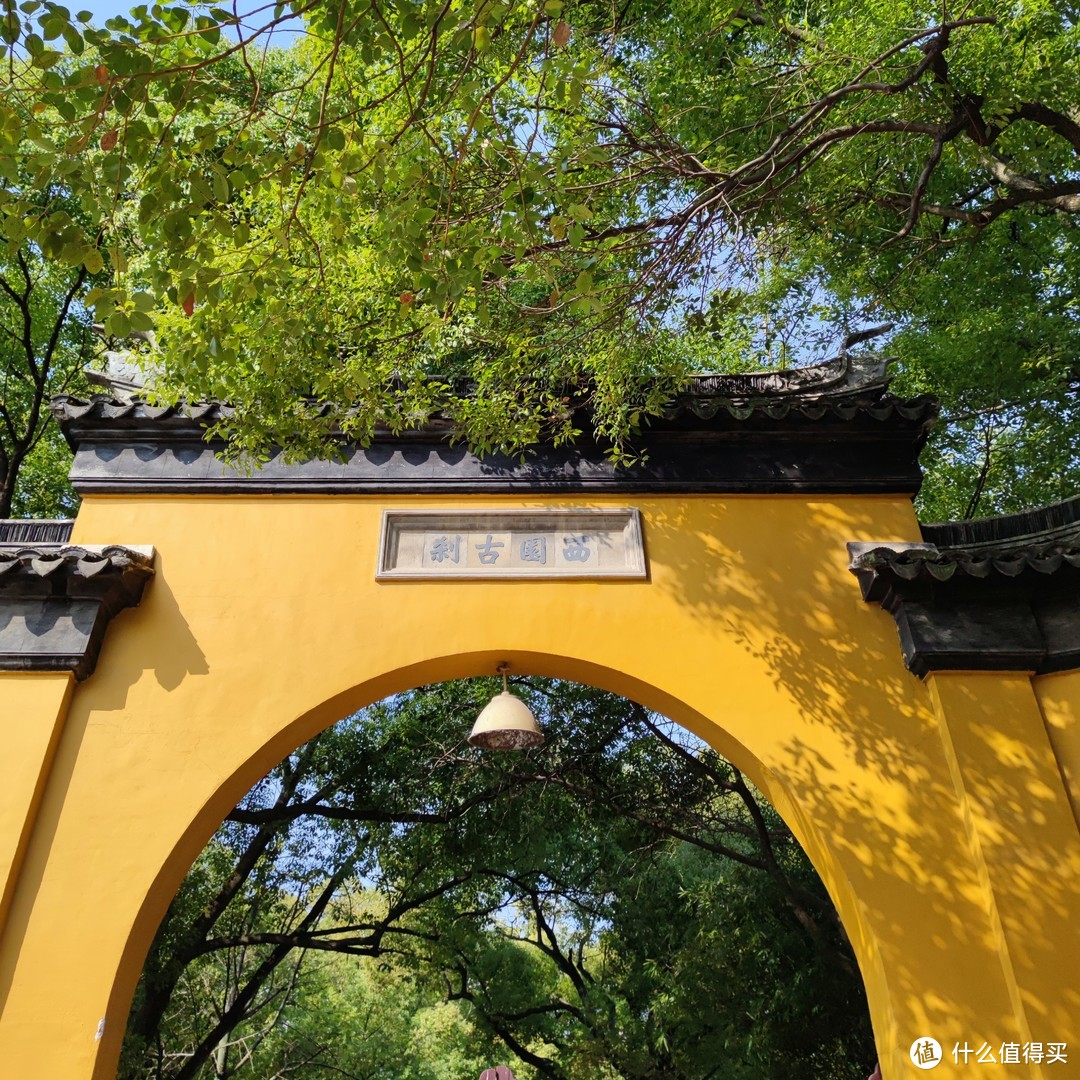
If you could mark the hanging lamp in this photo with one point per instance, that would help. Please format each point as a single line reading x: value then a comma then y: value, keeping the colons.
x: 506, y: 722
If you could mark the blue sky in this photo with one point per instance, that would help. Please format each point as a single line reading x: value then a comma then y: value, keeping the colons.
x: 103, y: 9
x: 106, y: 9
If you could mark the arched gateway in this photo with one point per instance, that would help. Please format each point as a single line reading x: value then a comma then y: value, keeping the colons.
x: 932, y: 781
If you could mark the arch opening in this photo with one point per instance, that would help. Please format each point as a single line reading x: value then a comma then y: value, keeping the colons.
x: 626, y: 842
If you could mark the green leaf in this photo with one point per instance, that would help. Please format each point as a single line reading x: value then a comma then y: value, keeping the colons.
x: 10, y: 28
x: 52, y: 26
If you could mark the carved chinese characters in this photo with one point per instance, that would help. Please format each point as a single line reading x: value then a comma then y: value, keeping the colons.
x: 555, y: 543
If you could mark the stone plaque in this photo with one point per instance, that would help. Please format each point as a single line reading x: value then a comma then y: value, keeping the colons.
x: 490, y: 544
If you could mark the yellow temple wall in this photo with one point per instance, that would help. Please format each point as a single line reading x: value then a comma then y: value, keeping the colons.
x: 264, y: 624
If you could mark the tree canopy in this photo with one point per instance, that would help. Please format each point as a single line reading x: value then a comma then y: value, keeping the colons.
x: 565, y: 201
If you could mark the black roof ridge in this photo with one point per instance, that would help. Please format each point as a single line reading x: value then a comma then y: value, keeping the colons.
x: 1049, y: 524
x: 68, y: 408
x: 767, y: 431
x: 846, y: 381
x: 1045, y: 540
x: 27, y: 531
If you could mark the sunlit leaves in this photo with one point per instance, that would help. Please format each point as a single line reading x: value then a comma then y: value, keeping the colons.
x: 556, y: 185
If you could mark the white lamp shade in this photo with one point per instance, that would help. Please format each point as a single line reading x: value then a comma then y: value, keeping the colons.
x: 506, y: 724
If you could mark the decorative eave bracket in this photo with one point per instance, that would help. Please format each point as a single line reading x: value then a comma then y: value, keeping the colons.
x: 1008, y: 604
x: 56, y: 601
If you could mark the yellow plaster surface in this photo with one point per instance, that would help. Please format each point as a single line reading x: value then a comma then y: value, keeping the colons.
x: 1059, y: 699
x: 32, y: 708
x: 1024, y: 834
x: 264, y: 624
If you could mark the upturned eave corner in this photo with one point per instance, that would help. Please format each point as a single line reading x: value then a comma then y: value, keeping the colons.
x: 57, y: 600
x: 997, y: 594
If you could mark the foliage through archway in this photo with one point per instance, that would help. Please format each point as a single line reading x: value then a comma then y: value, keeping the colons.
x: 390, y: 903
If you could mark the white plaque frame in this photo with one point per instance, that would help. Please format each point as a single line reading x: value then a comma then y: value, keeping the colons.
x: 612, y: 535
